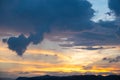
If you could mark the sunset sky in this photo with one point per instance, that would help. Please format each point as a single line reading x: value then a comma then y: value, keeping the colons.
x: 59, y: 37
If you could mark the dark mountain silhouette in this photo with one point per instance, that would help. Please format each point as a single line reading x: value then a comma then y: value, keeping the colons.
x: 85, y: 77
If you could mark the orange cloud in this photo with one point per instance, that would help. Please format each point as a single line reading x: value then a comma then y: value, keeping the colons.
x: 31, y: 66
x: 23, y: 62
x: 44, y: 67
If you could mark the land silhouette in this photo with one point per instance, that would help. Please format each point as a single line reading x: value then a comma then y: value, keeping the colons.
x: 81, y: 77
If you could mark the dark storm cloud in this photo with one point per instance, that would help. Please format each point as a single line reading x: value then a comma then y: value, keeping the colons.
x: 114, y: 5
x: 63, y: 13
x: 18, y: 44
x: 41, y: 16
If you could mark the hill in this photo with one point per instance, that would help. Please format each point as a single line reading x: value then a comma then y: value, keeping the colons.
x: 85, y: 77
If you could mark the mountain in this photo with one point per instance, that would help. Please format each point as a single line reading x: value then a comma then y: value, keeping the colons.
x: 85, y: 77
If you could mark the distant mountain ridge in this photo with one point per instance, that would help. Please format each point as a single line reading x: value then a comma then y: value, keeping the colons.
x: 85, y: 77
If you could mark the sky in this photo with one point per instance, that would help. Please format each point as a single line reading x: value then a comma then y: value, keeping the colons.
x: 59, y: 37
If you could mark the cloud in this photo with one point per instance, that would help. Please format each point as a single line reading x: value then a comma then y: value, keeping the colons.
x: 95, y: 48
x: 111, y: 24
x: 111, y: 60
x: 114, y: 6
x: 118, y: 32
x: 24, y: 73
x: 21, y: 40
x: 92, y: 48
x: 19, y: 44
x: 108, y: 24
x: 94, y: 38
x: 40, y: 54
x: 59, y: 55
x: 24, y: 62
x: 42, y: 16
x: 84, y: 48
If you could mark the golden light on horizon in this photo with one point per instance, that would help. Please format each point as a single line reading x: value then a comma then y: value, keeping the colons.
x: 68, y: 63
